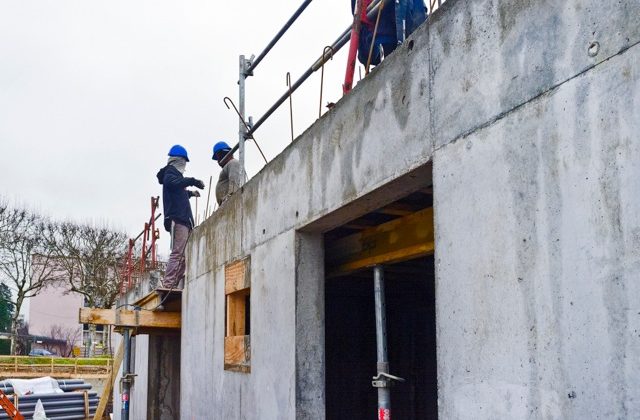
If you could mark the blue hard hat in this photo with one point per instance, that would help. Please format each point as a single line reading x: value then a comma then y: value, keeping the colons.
x: 179, y: 151
x: 220, y: 147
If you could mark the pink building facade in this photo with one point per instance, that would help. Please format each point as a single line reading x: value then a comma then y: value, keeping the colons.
x: 54, y: 306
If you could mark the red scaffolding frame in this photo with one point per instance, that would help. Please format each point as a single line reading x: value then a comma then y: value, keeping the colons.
x: 134, y: 266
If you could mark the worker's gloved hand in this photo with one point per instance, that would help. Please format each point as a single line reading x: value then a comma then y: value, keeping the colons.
x: 194, y: 193
x: 198, y: 184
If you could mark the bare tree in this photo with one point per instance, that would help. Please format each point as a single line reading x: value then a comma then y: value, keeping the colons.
x: 27, y: 259
x: 89, y: 256
x: 4, y: 208
x: 21, y: 342
x: 66, y: 337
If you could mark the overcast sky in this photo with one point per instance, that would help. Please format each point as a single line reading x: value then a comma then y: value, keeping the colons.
x: 93, y: 94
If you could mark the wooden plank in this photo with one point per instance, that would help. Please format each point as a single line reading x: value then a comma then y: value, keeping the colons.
x: 149, y: 331
x: 127, y: 318
x: 399, y: 240
x: 150, y: 301
x: 397, y: 209
x: 106, y: 392
x: 236, y: 313
x: 237, y: 353
x: 237, y: 275
x: 161, y: 299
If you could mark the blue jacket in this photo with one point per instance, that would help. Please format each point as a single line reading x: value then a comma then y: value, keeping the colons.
x: 175, y: 197
x: 412, y: 13
x: 398, y: 20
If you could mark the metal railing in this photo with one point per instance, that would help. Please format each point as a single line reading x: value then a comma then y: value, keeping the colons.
x: 248, y: 66
x: 247, y: 127
x: 57, y: 367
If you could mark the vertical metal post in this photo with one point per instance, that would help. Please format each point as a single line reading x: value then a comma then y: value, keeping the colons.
x: 242, y: 131
x: 384, y: 393
x: 126, y: 379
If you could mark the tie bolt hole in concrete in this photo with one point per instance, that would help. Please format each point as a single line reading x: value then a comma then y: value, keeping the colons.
x: 594, y: 49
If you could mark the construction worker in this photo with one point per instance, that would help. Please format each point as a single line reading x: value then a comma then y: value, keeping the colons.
x: 231, y: 176
x: 178, y: 218
x: 398, y: 19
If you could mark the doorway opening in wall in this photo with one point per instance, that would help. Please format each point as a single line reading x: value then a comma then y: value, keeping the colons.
x: 396, y: 244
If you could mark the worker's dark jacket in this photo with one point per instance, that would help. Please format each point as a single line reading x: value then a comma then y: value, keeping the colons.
x: 175, y: 197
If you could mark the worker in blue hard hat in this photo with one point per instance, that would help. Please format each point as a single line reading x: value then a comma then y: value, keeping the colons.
x: 231, y: 176
x: 178, y: 218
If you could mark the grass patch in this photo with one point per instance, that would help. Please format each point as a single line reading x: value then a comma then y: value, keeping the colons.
x: 46, y: 361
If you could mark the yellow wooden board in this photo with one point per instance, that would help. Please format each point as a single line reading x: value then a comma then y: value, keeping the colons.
x: 150, y: 301
x: 161, y: 299
x: 237, y: 353
x: 127, y: 318
x: 399, y: 240
x: 106, y: 392
x: 236, y: 313
x: 237, y: 275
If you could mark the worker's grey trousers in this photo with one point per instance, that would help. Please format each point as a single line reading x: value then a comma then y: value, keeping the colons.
x: 174, y: 275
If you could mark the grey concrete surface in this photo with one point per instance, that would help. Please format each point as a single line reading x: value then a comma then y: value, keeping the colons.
x: 309, y: 289
x: 140, y: 398
x: 163, y: 382
x: 539, y: 315
x: 535, y: 182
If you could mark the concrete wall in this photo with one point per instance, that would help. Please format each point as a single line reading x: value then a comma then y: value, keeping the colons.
x: 155, y: 360
x: 539, y: 315
x: 532, y: 134
x: 538, y: 312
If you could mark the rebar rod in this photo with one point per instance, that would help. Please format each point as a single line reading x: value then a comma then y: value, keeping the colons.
x: 336, y: 46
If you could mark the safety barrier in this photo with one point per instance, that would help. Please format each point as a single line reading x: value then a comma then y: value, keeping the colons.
x: 247, y: 128
x: 57, y: 367
x: 133, y: 267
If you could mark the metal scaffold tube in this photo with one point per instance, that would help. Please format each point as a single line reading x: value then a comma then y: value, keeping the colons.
x: 126, y: 375
x: 242, y: 131
x: 276, y: 38
x: 317, y: 65
x: 383, y: 380
x: 384, y: 393
x: 336, y: 46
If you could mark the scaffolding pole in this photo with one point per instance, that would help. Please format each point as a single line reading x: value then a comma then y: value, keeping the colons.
x: 384, y: 393
x: 242, y: 131
x: 126, y: 374
x: 383, y: 380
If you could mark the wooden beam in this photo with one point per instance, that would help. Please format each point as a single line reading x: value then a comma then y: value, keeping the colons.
x: 106, y: 392
x: 237, y: 275
x: 359, y: 224
x: 149, y: 331
x: 399, y: 240
x: 132, y: 319
x: 161, y: 299
x: 150, y: 301
x: 397, y: 209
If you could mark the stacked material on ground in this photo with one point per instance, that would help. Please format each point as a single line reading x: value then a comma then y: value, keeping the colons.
x: 74, y: 402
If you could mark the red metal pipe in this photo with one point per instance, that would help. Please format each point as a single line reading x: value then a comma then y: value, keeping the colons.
x: 155, y: 233
x: 359, y: 16
x: 132, y: 267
